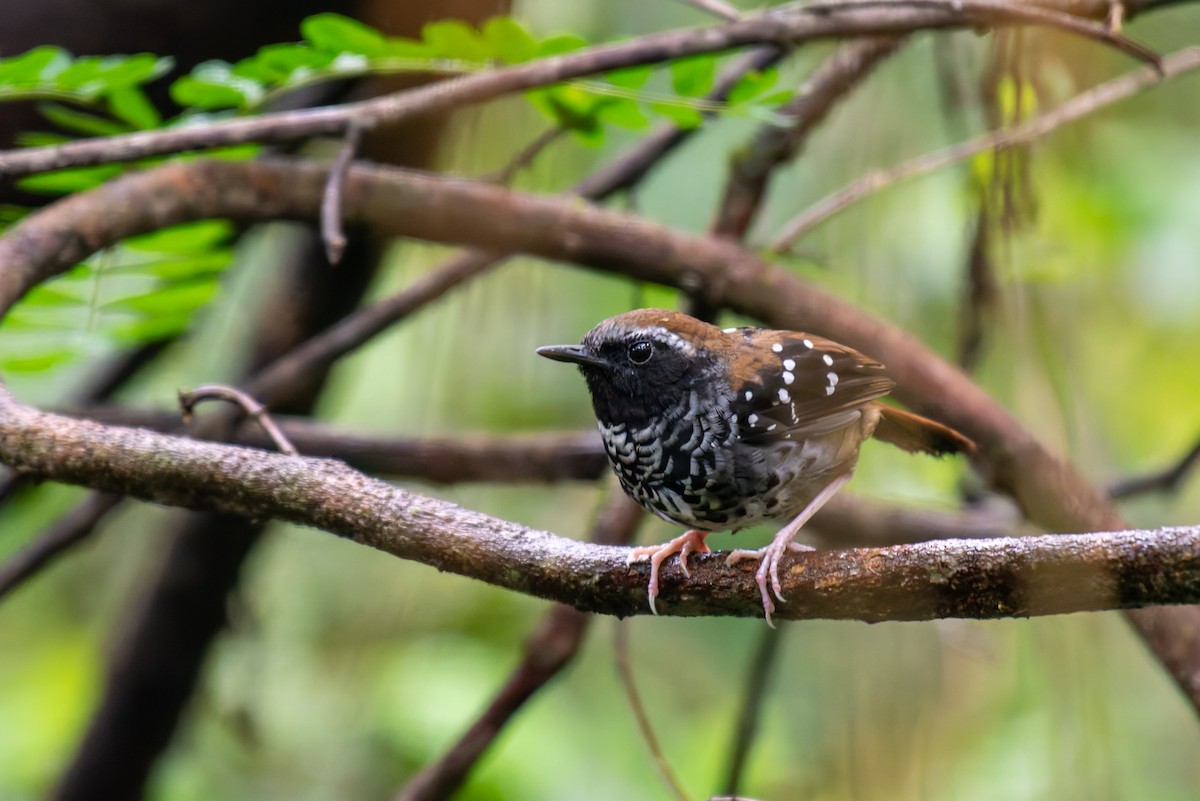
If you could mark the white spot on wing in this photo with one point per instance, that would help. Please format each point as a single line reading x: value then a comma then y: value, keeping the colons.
x: 827, y: 359
x: 749, y: 394
x: 788, y: 378
x: 752, y: 419
x: 728, y: 330
x: 784, y: 396
x: 833, y: 379
x: 808, y: 344
x: 789, y: 364
x: 777, y: 348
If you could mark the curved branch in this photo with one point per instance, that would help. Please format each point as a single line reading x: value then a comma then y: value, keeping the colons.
x: 793, y: 27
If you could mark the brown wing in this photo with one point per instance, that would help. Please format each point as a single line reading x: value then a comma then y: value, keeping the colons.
x: 800, y: 385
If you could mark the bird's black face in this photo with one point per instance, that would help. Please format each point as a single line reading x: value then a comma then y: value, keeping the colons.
x: 633, y: 373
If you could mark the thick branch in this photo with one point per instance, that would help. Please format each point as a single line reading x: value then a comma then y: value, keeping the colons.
x: 949, y: 578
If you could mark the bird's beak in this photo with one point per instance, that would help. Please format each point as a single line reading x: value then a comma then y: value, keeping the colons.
x: 570, y: 353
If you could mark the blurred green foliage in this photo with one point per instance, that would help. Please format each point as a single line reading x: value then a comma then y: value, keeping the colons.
x: 346, y: 670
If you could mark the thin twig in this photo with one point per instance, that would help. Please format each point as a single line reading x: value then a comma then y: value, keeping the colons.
x: 525, y: 156
x: 877, y: 17
x: 645, y: 728
x: 754, y: 694
x: 69, y: 530
x: 1047, y: 17
x: 331, y: 206
x: 1081, y: 105
x: 255, y: 410
x: 1166, y: 480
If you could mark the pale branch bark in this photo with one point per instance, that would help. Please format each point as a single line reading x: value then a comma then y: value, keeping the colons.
x: 1083, y: 104
x: 793, y: 27
x: 1018, y: 577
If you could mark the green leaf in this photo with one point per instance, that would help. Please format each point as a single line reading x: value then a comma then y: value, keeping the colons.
x: 213, y: 85
x: 26, y: 362
x: 175, y: 298
x: 338, y: 34
x: 624, y: 112
x: 630, y: 77
x: 76, y: 179
x: 752, y: 85
x: 80, y: 122
x: 570, y: 106
x: 561, y: 43
x: 182, y: 269
x: 508, y: 40
x: 276, y: 64
x: 33, y: 68
x: 685, y: 117
x: 188, y: 91
x: 48, y: 296
x: 149, y: 329
x: 96, y: 75
x: 591, y: 134
x: 452, y: 38
x: 81, y: 76
x: 777, y: 98
x: 130, y: 104
x: 184, y: 238
x: 693, y: 76
x: 125, y: 71
x: 401, y: 47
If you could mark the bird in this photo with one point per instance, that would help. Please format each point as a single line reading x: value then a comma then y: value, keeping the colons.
x: 718, y: 429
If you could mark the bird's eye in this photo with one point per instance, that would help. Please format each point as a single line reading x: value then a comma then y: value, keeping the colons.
x: 640, y: 352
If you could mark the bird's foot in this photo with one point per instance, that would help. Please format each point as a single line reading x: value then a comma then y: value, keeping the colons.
x: 769, y: 558
x: 685, y: 545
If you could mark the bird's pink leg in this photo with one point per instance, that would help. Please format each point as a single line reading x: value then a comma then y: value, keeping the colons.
x: 771, y: 555
x: 685, y: 545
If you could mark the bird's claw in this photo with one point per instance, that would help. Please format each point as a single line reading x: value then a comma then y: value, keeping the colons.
x: 769, y: 558
x: 685, y: 545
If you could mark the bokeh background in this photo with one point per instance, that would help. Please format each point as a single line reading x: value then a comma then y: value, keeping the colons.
x: 344, y: 670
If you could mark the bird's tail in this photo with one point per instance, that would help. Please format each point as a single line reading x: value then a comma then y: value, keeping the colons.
x: 917, y: 434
